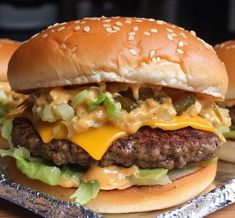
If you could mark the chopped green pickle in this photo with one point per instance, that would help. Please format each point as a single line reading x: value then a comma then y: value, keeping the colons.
x: 184, y: 103
x: 127, y: 104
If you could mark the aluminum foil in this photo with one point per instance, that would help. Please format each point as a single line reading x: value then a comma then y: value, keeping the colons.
x: 47, y: 206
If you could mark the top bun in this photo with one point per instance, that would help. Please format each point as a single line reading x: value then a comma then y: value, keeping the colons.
x: 226, y: 52
x: 7, y: 48
x: 117, y: 49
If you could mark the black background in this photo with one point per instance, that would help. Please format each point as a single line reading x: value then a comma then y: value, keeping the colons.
x: 212, y: 20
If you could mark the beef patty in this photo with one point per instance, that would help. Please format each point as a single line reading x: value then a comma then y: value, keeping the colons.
x: 147, y: 148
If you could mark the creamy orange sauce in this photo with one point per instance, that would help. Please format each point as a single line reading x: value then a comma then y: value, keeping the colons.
x: 112, y: 177
x: 9, y: 97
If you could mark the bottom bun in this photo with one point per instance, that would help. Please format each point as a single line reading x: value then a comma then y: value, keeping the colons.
x: 134, y: 199
x: 227, y: 152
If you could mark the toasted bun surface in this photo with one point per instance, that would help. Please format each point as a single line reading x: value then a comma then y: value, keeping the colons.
x: 226, y: 52
x: 117, y: 49
x: 227, y: 151
x: 135, y: 199
x: 7, y: 48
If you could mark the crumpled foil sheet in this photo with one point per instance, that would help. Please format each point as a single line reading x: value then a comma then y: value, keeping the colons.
x: 48, y: 206
x: 205, y: 204
x: 40, y: 203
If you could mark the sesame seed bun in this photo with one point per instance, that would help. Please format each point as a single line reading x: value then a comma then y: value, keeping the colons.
x: 117, y: 49
x: 7, y: 48
x: 226, y: 52
x: 135, y: 199
x: 227, y: 152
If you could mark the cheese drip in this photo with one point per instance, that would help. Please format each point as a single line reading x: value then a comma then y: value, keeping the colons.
x: 96, y: 141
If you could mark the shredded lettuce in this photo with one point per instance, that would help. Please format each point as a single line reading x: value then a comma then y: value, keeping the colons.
x: 151, y: 177
x: 3, y: 111
x: 86, y: 192
x: 230, y: 134
x: 154, y: 174
x: 35, y: 168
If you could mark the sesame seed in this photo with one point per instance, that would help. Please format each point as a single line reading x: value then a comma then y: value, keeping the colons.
x: 86, y: 29
x: 116, y: 28
x: 169, y: 30
x: 193, y: 33
x: 133, y: 51
x: 118, y: 23
x: 117, y: 17
x: 76, y: 28
x: 154, y: 60
x: 128, y: 21
x: 77, y: 21
x: 83, y: 22
x: 135, y: 28
x: 56, y: 24
x: 74, y: 49
x: 151, y: 19
x: 153, y: 30
x: 45, y: 35
x: 138, y: 20
x: 170, y: 37
x: 161, y: 22
x: 181, y: 44
x: 53, y: 31
x: 49, y: 27
x: 132, y: 33
x: 183, y: 35
x: 34, y: 36
x: 91, y: 18
x: 61, y: 28
x: 63, y: 46
x: 147, y: 33
x: 61, y: 24
x: 107, y: 20
x: 109, y: 30
x: 106, y: 25
x: 180, y: 51
x: 131, y: 38
x: 152, y: 53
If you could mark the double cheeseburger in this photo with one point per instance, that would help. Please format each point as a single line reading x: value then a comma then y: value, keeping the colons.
x: 121, y: 112
x: 8, y: 99
x: 226, y: 52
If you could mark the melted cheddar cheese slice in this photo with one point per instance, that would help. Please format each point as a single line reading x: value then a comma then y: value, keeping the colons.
x: 96, y: 141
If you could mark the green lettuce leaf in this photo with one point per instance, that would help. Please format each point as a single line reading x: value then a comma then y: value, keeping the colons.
x: 86, y: 192
x: 3, y: 109
x: 6, y: 131
x: 230, y: 134
x: 35, y: 168
x: 151, y: 177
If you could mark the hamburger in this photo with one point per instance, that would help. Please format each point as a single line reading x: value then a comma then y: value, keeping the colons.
x: 226, y: 52
x: 8, y: 99
x: 121, y: 113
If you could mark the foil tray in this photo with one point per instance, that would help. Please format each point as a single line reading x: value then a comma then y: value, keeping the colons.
x: 219, y: 195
